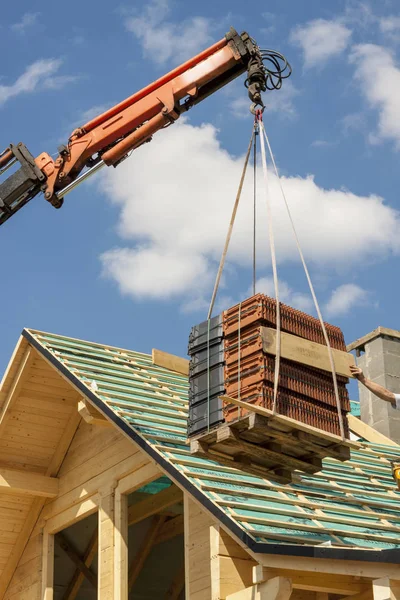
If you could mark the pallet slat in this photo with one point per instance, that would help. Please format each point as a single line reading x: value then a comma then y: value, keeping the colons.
x: 264, y: 455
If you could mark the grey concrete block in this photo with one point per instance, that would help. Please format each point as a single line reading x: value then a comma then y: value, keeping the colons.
x: 374, y: 347
x: 391, y: 364
x: 392, y: 345
x: 374, y: 367
x: 381, y: 364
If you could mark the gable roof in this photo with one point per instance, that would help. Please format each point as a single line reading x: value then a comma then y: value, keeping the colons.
x: 349, y: 510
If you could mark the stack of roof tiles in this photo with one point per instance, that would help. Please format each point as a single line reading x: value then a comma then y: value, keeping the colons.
x: 243, y: 370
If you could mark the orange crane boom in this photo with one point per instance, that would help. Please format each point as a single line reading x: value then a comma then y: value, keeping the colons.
x: 110, y: 137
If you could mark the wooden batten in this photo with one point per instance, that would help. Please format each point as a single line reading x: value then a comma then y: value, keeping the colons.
x: 32, y: 484
x: 170, y: 362
x: 306, y: 352
x: 279, y: 588
x: 367, y: 432
x: 91, y: 415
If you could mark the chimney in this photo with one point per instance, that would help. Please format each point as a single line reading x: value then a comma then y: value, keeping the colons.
x: 378, y: 354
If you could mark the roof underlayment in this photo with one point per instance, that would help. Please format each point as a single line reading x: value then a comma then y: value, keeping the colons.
x: 349, y: 510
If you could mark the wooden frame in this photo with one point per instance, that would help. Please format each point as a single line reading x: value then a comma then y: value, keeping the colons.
x: 47, y: 565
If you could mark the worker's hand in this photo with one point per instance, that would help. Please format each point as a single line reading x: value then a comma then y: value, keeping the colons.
x: 357, y: 372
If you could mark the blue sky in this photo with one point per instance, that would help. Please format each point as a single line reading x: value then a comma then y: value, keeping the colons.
x: 130, y: 258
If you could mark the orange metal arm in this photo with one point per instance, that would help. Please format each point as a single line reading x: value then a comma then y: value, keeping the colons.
x: 129, y: 124
x: 111, y: 136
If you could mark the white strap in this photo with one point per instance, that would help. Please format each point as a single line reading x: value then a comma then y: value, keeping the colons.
x: 274, y: 270
x: 230, y: 228
x: 331, y: 359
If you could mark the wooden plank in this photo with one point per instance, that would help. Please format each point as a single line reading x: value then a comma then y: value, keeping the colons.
x: 275, y: 455
x: 12, y: 367
x: 106, y: 544
x: 72, y: 515
x: 170, y: 361
x: 21, y: 374
x: 344, y: 585
x: 24, y: 482
x: 144, y: 474
x: 154, y: 504
x: 331, y: 566
x: 70, y: 551
x: 367, y: 432
x: 91, y: 415
x: 385, y: 589
x: 48, y: 566
x: 295, y: 439
x: 201, y: 449
x: 20, y: 544
x: 78, y: 577
x: 279, y: 588
x: 63, y: 444
x: 106, y: 458
x: 367, y: 595
x: 172, y: 528
x: 52, y: 469
x: 121, y: 546
x: 197, y: 550
x: 73, y: 496
x: 144, y: 550
x: 291, y: 423
x: 177, y: 585
x: 306, y: 352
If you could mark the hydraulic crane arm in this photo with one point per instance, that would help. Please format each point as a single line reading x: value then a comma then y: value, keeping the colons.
x: 110, y: 137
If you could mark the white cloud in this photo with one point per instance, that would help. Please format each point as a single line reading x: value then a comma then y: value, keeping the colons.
x: 353, y: 122
x: 270, y: 26
x: 322, y: 144
x: 359, y: 14
x: 40, y: 74
x: 390, y: 26
x: 379, y: 79
x: 27, y: 20
x: 345, y: 298
x: 320, y: 40
x: 156, y: 272
x: 276, y: 101
x: 175, y: 197
x: 164, y: 40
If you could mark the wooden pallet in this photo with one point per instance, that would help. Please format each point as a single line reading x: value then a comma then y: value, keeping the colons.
x: 270, y: 446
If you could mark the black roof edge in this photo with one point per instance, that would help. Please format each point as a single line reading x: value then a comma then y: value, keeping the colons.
x: 382, y: 556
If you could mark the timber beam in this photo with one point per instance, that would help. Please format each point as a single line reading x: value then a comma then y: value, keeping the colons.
x: 170, y: 362
x: 144, y: 551
x: 171, y: 528
x: 177, y: 586
x: 344, y: 585
x: 78, y: 576
x: 24, y: 482
x: 91, y: 415
x: 154, y: 504
x: 278, y: 588
x: 385, y: 589
x: 76, y: 559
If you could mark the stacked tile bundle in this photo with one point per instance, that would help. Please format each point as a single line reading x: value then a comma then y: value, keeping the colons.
x: 206, y: 375
x: 305, y: 393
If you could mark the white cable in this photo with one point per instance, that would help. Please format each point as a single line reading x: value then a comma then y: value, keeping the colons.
x: 274, y: 271
x: 331, y: 359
